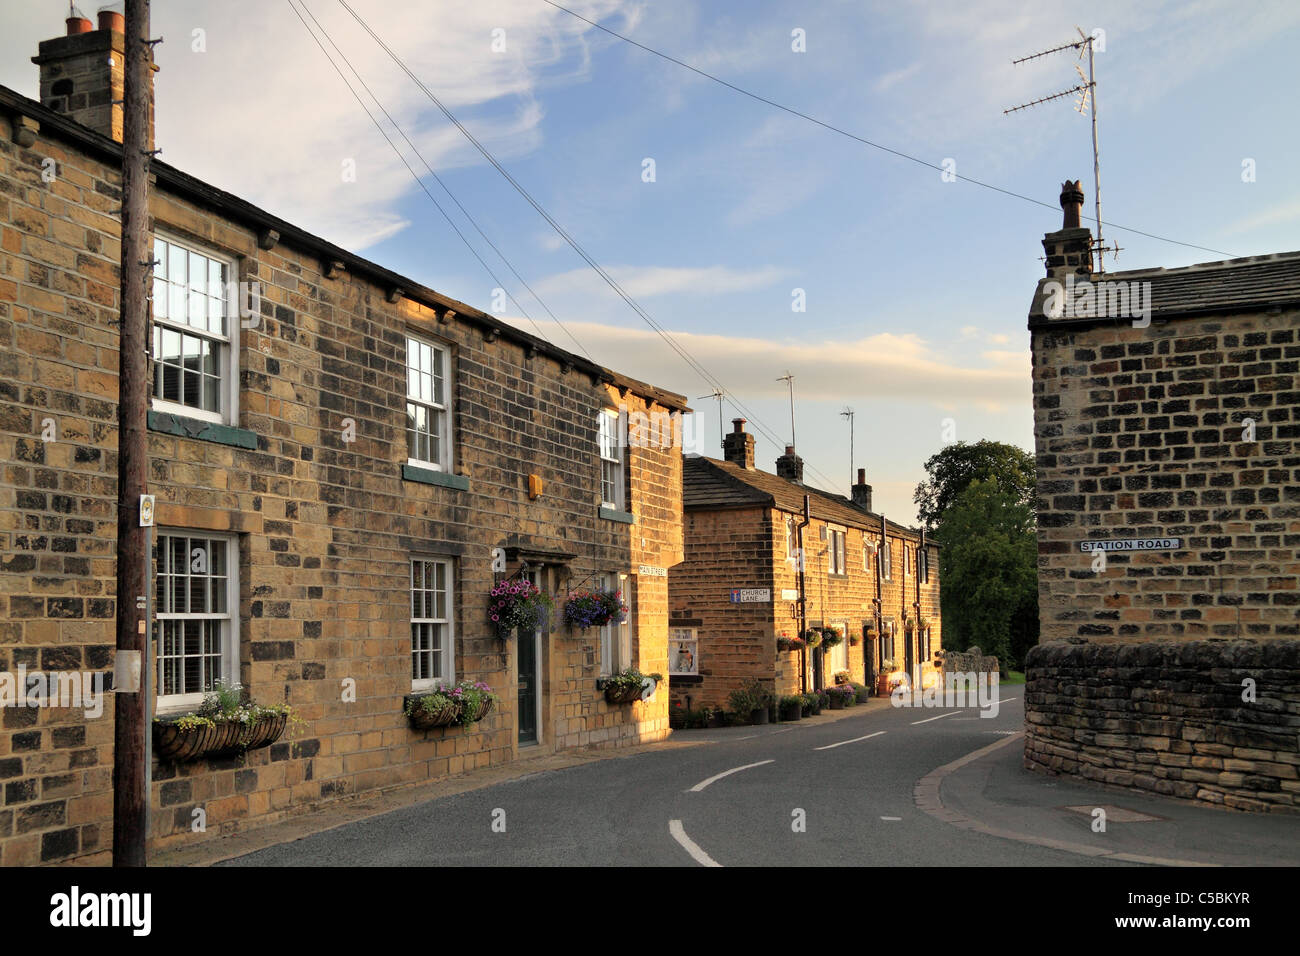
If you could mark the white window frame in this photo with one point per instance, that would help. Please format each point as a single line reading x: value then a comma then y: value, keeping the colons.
x: 441, y: 355
x: 867, y: 548
x: 923, y: 564
x: 683, y: 635
x: 836, y: 546
x: 791, y: 539
x: 840, y: 652
x: 228, y: 344
x: 886, y: 561
x: 448, y: 675
x: 229, y: 619
x: 609, y: 438
x: 615, y: 639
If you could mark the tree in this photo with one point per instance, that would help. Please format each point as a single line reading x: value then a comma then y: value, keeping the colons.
x: 988, y: 569
x: 952, y: 470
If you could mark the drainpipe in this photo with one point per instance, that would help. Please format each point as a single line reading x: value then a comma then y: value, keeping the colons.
x: 803, y: 597
x: 918, y: 606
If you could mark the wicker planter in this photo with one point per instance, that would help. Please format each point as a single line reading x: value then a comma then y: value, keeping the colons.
x: 616, y: 694
x: 483, y: 709
x: 224, y: 739
x: 445, y: 716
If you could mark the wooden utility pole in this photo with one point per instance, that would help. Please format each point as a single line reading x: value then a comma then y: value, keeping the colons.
x: 131, y: 703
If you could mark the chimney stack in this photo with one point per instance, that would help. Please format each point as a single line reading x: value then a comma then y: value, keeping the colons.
x: 738, y: 447
x: 1069, y: 251
x: 83, y: 73
x: 790, y: 466
x: 861, y: 492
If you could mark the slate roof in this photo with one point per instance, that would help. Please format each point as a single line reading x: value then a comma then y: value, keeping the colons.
x: 712, y: 485
x: 237, y: 210
x: 1232, y: 286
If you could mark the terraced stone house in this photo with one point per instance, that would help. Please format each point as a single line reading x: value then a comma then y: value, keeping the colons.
x: 343, y: 465
x: 738, y: 588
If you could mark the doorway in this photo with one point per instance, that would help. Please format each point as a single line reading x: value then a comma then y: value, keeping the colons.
x: 529, y: 655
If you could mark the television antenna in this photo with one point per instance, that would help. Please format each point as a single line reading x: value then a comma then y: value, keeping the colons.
x: 718, y: 394
x: 848, y: 413
x: 1085, y: 94
x: 788, y: 378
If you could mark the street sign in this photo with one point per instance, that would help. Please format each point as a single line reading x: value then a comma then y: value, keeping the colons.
x: 650, y: 571
x: 146, y: 511
x: 751, y: 595
x: 1132, y: 544
x: 789, y: 594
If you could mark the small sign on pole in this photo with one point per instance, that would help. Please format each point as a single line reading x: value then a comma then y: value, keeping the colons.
x: 146, y: 511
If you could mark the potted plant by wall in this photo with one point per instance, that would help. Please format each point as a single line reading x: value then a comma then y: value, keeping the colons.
x: 516, y: 603
x: 466, y: 703
x: 584, y: 609
x: 842, y: 677
x: 627, y: 685
x: 792, y: 707
x: 861, y: 692
x: 753, y: 699
x: 840, y: 695
x: 890, y: 677
x: 225, y: 724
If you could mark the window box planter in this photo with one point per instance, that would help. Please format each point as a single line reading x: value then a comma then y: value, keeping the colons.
x: 179, y: 740
x: 466, y: 703
x: 627, y: 686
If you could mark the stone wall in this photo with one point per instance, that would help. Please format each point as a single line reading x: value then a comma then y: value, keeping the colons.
x: 1185, y: 429
x: 1217, y: 722
x: 970, y: 661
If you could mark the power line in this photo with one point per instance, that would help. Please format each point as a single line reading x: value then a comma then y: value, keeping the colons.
x: 402, y: 157
x: 573, y: 243
x: 860, y: 139
x: 447, y: 190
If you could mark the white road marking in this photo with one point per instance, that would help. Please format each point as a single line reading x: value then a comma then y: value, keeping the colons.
x: 1007, y: 700
x: 940, y: 717
x: 726, y: 773
x: 853, y: 741
x: 689, y: 845
x: 891, y: 819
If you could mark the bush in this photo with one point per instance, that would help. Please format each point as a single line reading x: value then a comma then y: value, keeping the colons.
x: 860, y: 693
x: 753, y: 696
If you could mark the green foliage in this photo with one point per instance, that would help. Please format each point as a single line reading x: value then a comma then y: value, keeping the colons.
x: 988, y: 565
x: 953, y: 469
x: 752, y: 696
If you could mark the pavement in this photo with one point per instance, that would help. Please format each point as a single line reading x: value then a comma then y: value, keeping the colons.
x: 869, y: 785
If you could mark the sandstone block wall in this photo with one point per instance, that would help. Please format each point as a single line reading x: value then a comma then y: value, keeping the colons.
x: 1217, y: 722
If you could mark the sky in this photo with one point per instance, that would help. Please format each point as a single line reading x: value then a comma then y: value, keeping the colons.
x: 720, y: 215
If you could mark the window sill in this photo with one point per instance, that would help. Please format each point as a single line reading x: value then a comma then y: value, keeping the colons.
x: 685, y: 679
x: 609, y: 514
x: 426, y: 476
x: 171, y: 424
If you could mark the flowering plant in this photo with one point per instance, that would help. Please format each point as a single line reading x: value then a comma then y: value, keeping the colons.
x: 465, y: 703
x: 831, y: 637
x: 845, y: 692
x: 586, y: 609
x: 226, y: 704
x: 812, y: 637
x: 787, y: 643
x: 516, y: 603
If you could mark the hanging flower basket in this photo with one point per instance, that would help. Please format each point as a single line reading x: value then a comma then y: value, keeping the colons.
x: 831, y: 637
x: 812, y: 637
x: 466, y: 703
x: 787, y: 643
x: 854, y: 640
x: 585, y: 609
x: 223, y: 726
x: 627, y: 685
x: 515, y: 603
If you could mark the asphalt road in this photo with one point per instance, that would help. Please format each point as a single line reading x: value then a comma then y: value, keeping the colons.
x: 853, y: 797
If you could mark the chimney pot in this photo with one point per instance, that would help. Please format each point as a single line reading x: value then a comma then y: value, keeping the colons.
x: 738, y: 447
x: 860, y: 493
x: 79, y: 25
x: 1071, y: 203
x: 862, y: 476
x: 790, y: 466
x: 112, y: 20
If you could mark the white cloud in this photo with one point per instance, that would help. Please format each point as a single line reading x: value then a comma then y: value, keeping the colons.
x: 644, y: 282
